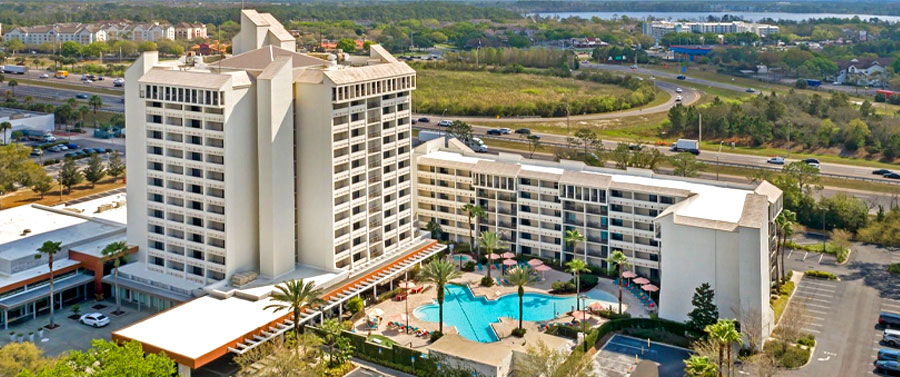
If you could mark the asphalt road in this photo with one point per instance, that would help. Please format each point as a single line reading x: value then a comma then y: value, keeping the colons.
x: 57, y: 95
x: 663, y: 74
x: 34, y: 73
x: 843, y: 314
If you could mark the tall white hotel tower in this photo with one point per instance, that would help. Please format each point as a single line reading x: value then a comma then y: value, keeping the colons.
x: 265, y: 160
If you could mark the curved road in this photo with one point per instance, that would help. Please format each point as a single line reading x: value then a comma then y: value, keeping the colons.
x: 689, y: 96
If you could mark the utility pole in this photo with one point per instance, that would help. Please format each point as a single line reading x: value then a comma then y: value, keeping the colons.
x: 700, y: 132
x: 717, y: 159
x: 789, y: 139
x: 824, y: 235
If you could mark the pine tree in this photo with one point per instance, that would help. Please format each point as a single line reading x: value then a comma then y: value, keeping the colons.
x: 705, y: 311
x: 115, y: 166
x: 69, y: 175
x: 95, y: 171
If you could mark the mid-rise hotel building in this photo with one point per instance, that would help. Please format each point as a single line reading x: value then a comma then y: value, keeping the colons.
x: 679, y: 233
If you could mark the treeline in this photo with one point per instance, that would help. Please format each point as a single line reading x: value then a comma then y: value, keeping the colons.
x: 532, y: 57
x: 37, y: 13
x: 811, y: 121
x: 865, y: 7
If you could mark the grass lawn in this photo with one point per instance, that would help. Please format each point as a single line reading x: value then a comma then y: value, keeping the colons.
x: 80, y: 88
x: 26, y: 196
x: 385, y: 341
x: 489, y: 94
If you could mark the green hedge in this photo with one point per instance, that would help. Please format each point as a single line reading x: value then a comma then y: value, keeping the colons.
x: 821, y: 274
x: 894, y: 268
x: 396, y: 356
x: 780, y: 303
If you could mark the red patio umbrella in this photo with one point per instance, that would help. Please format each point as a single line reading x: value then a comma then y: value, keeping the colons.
x: 534, y: 262
x: 629, y: 274
x: 494, y: 256
x: 510, y: 262
x: 580, y: 315
x: 543, y: 268
x: 641, y: 281
x: 650, y: 288
x: 508, y: 255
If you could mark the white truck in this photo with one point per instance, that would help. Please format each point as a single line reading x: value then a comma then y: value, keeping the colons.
x: 39, y: 135
x: 17, y: 69
x: 686, y: 145
x: 475, y: 143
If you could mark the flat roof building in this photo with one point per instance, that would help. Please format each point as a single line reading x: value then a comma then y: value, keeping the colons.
x: 656, y: 222
x: 657, y: 29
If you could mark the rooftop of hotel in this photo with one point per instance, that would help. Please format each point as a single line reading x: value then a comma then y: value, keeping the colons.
x: 715, y: 203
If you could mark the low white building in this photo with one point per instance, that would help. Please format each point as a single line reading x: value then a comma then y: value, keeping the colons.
x: 24, y: 120
x: 657, y: 29
x: 863, y: 71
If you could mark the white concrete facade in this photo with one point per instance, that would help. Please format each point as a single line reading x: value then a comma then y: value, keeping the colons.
x: 679, y: 233
x: 268, y: 159
x: 657, y: 29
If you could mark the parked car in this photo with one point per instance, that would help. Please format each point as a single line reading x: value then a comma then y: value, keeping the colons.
x: 893, y: 175
x: 882, y: 172
x: 81, y: 96
x: 681, y: 77
x: 777, y: 160
x: 889, y: 320
x: 678, y: 90
x: 94, y: 319
x: 424, y: 120
x: 523, y: 131
x: 889, y: 354
x: 445, y: 123
x: 887, y: 366
x: 37, y: 151
x: 54, y: 149
x: 62, y: 147
x: 891, y: 337
x: 494, y: 131
x: 72, y: 146
x: 69, y: 155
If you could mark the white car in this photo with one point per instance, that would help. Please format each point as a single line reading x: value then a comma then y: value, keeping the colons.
x: 94, y: 319
x: 505, y: 131
x: 45, y: 76
x: 445, y: 123
x: 678, y: 98
x: 678, y: 90
x: 777, y: 160
x: 88, y: 81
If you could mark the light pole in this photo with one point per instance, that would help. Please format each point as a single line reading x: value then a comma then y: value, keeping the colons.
x: 584, y: 324
x: 717, y: 158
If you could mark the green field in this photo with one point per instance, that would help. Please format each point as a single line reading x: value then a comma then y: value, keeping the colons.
x: 490, y: 94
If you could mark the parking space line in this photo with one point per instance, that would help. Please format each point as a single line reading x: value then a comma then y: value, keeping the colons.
x: 805, y: 304
x: 814, y: 324
x: 813, y: 298
x: 821, y: 312
x: 815, y: 293
x: 815, y: 286
x: 814, y: 317
x: 815, y: 281
x: 892, y: 306
x: 812, y: 330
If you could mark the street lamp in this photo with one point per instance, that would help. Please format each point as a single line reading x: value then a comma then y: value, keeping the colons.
x: 717, y: 158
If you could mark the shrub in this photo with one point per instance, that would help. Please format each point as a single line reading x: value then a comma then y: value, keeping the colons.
x: 610, y: 314
x: 801, y: 84
x: 563, y: 287
x: 469, y: 266
x: 786, y: 356
x: 487, y: 282
x: 588, y: 281
x: 808, y: 340
x: 435, y: 336
x: 821, y: 274
x: 388, y: 295
x: 894, y: 268
x: 780, y: 302
x: 518, y: 332
x: 354, y: 305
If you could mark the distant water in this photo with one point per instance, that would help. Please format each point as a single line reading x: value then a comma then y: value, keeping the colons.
x: 748, y: 16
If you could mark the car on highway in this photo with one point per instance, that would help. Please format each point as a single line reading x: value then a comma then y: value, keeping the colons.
x: 681, y: 77
x: 81, y: 96
x: 882, y: 172
x: 94, y: 319
x: 813, y: 165
x: 424, y: 120
x: 45, y: 76
x: 88, y: 81
x: 118, y: 82
x: 505, y: 131
x: 523, y: 131
x: 811, y: 160
x: 777, y: 160
x: 678, y: 98
x: 750, y: 90
x: 678, y: 90
x: 494, y: 131
x: 445, y: 123
x: 99, y: 78
x: 893, y: 175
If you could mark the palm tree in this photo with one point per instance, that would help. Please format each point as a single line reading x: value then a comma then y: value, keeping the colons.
x: 577, y: 266
x: 478, y: 213
x: 435, y: 229
x: 82, y: 111
x: 490, y: 241
x: 440, y: 272
x: 4, y: 127
x: 732, y: 336
x: 722, y: 332
x: 295, y: 295
x: 619, y: 260
x: 12, y: 86
x: 50, y: 249
x: 785, y: 224
x: 96, y: 103
x: 699, y: 366
x: 520, y: 277
x: 118, y: 253
x: 573, y: 236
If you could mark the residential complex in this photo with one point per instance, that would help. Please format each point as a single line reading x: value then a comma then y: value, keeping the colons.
x: 657, y: 29
x: 106, y: 31
x: 238, y: 155
x: 680, y: 233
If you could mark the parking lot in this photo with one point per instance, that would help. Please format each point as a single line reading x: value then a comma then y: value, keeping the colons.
x: 843, y: 314
x: 617, y: 357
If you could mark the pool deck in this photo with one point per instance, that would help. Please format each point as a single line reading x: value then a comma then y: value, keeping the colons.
x: 504, y: 327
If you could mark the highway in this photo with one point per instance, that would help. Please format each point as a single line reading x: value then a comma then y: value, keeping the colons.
x: 111, y: 103
x: 663, y: 74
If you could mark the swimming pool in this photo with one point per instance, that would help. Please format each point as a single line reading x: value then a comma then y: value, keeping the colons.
x: 472, y: 316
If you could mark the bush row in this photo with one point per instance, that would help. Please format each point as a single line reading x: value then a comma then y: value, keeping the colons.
x: 821, y: 274
x: 779, y: 303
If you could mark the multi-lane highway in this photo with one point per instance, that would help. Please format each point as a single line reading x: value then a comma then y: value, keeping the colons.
x: 111, y: 103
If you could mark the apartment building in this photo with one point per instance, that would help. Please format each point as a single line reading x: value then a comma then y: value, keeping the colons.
x: 57, y: 33
x: 531, y: 204
x: 657, y: 29
x: 266, y: 160
x: 185, y: 30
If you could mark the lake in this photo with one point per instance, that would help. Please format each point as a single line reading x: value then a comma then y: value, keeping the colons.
x: 749, y: 16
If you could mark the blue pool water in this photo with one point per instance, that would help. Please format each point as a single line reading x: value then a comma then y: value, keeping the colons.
x: 472, y: 316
